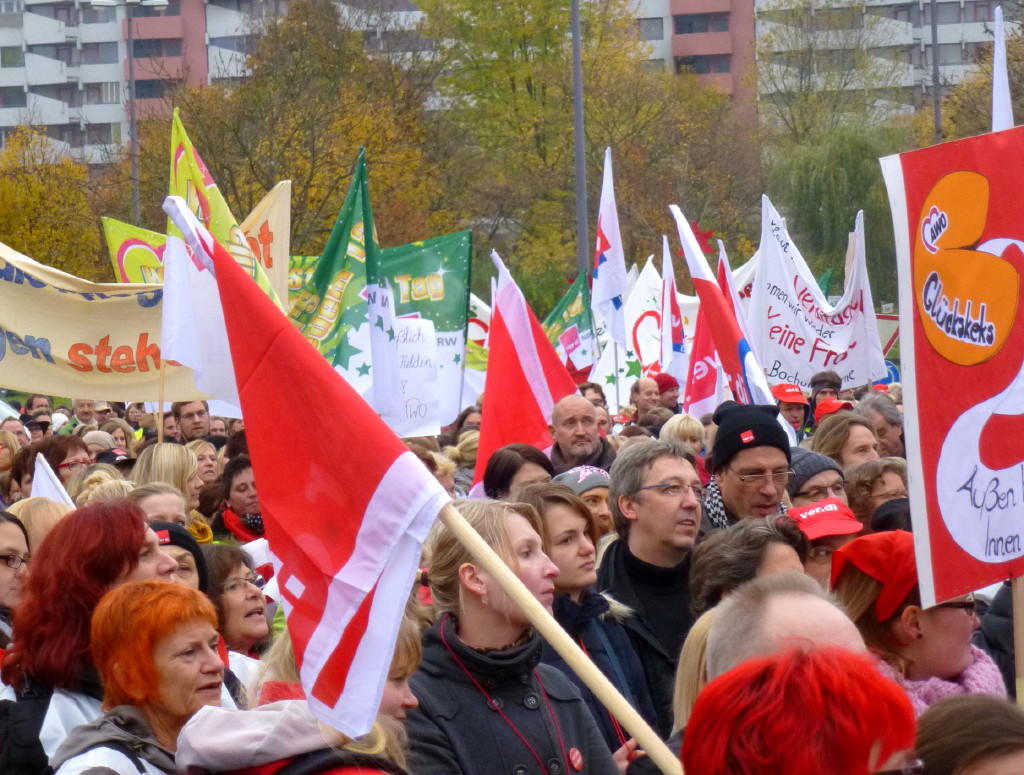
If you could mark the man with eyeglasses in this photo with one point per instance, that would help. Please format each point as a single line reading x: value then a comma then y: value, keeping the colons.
x: 655, y: 503
x: 193, y: 419
x: 749, y: 464
x: 815, y: 478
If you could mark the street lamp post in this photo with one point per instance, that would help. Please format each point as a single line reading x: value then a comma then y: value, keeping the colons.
x: 133, y: 129
x: 582, y: 229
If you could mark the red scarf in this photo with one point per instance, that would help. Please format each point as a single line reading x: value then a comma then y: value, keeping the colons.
x: 234, y: 524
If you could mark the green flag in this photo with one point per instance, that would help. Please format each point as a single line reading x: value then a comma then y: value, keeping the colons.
x: 570, y: 328
x: 332, y: 310
x: 430, y: 280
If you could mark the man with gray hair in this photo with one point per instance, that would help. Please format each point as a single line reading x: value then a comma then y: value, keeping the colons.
x: 887, y: 420
x: 655, y: 502
x: 775, y: 613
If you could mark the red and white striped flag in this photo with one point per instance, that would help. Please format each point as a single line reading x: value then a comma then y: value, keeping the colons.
x: 345, y: 513
x: 674, y: 358
x: 525, y: 376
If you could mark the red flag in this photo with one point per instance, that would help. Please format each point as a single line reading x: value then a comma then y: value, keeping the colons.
x: 345, y: 513
x: 525, y: 376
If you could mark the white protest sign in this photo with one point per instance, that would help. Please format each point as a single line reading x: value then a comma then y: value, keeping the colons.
x: 416, y: 343
x: 795, y: 331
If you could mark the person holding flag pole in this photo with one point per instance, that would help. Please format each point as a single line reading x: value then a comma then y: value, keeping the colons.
x: 347, y: 549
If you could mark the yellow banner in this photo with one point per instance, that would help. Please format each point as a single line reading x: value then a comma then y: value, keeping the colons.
x: 137, y: 255
x: 66, y: 336
x: 191, y: 180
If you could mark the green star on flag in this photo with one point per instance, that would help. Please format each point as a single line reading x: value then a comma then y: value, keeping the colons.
x: 363, y: 370
x: 633, y: 369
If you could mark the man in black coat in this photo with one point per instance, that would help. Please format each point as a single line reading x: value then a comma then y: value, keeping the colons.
x: 655, y: 502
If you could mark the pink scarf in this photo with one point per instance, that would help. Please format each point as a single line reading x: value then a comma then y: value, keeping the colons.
x: 981, y: 677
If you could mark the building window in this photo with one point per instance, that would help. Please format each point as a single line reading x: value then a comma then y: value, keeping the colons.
x: 655, y: 65
x: 705, y: 64
x: 99, y: 53
x: 157, y: 48
x: 103, y: 134
x: 652, y: 29
x: 93, y: 14
x: 65, y: 133
x: 10, y: 6
x: 64, y: 92
x: 12, y: 56
x: 692, y: 23
x: 173, y: 8
x: 151, y: 89
x: 105, y: 93
x: 13, y: 97
x: 243, y: 44
x: 949, y: 13
x: 981, y: 11
x: 62, y: 52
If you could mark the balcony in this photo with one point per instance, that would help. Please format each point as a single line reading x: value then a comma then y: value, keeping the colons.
x: 40, y: 69
x: 40, y: 29
x: 699, y: 43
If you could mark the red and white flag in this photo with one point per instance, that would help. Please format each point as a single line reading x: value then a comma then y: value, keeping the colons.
x: 346, y: 520
x: 525, y: 376
x: 674, y: 358
x: 611, y: 284
x: 744, y: 374
x: 705, y: 388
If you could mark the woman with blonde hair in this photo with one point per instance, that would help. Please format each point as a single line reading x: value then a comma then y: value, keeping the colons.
x: 206, y: 456
x: 689, y: 430
x: 9, y: 447
x: 486, y: 705
x: 91, y: 475
x: 39, y: 516
x: 463, y: 455
x: 122, y: 434
x: 172, y: 464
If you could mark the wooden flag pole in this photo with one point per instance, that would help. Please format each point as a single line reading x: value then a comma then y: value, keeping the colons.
x: 160, y: 403
x: 1018, y: 636
x: 553, y: 633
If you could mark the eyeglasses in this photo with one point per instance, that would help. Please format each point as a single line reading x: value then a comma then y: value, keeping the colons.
x: 238, y: 584
x: 819, y: 493
x: 820, y: 553
x: 778, y: 478
x: 74, y: 465
x: 194, y: 415
x: 890, y: 494
x: 912, y: 767
x: 674, y: 490
x: 14, y: 561
x: 962, y: 605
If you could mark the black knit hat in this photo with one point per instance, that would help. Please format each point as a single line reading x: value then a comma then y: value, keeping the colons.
x: 176, y: 535
x: 806, y: 464
x: 745, y: 426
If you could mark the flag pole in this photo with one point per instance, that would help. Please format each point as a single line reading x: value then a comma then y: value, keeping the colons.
x: 552, y: 632
x: 160, y: 403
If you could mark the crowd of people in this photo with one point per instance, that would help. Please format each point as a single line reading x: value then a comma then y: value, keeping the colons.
x: 755, y: 601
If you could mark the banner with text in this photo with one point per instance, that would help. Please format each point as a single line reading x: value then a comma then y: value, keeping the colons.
x: 795, y: 331
x: 570, y: 329
x: 66, y: 336
x: 959, y: 228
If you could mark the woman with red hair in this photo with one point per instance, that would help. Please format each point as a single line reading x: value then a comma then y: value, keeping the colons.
x: 155, y: 648
x: 91, y: 551
x: 827, y: 711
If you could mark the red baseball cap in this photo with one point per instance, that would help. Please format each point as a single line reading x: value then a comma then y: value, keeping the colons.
x: 788, y: 393
x: 829, y: 517
x: 828, y: 406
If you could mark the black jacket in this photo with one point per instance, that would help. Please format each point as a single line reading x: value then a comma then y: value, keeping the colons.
x: 455, y: 730
x: 995, y: 636
x: 596, y: 623
x: 658, y: 660
x: 602, y: 458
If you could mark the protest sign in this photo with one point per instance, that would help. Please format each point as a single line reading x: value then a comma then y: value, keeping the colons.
x: 416, y: 342
x: 795, y: 331
x: 959, y: 229
x: 430, y: 280
x: 66, y: 336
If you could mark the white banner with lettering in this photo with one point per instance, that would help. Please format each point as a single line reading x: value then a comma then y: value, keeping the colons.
x: 417, y: 370
x: 796, y: 332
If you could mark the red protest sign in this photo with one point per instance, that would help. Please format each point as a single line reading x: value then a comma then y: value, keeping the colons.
x: 959, y: 224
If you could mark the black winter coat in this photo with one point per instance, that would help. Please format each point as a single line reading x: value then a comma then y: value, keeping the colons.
x: 598, y: 628
x: 995, y: 636
x: 454, y: 730
x: 659, y: 665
